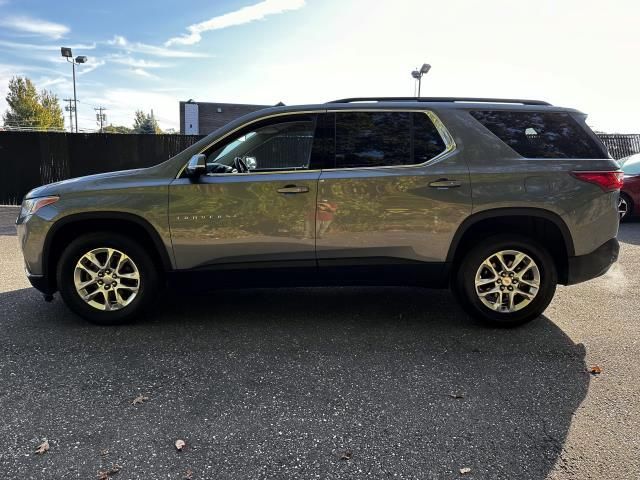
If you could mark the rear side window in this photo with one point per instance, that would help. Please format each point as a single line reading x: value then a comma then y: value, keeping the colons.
x: 541, y: 135
x: 380, y: 139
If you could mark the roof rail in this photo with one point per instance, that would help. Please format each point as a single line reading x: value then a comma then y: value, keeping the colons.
x: 441, y: 99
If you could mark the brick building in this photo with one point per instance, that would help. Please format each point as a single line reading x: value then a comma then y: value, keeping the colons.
x: 202, y: 118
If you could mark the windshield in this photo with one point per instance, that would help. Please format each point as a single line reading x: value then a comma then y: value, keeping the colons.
x: 632, y: 165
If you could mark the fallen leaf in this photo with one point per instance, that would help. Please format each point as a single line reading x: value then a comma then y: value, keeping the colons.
x: 180, y: 444
x: 105, y: 474
x: 595, y: 370
x: 139, y: 399
x: 346, y: 455
x: 465, y: 470
x: 188, y: 475
x: 43, y: 447
x: 456, y: 395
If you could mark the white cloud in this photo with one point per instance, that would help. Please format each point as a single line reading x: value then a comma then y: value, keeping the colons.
x: 136, y: 62
x: 90, y: 66
x: 238, y: 17
x: 48, y: 82
x: 31, y: 46
x: 35, y: 26
x: 118, y: 40
x: 141, y: 72
x: 137, y: 47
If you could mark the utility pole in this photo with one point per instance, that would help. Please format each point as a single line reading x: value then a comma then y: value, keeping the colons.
x: 101, y: 117
x: 70, y: 108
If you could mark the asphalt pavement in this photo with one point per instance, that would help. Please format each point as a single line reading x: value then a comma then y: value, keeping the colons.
x: 322, y: 383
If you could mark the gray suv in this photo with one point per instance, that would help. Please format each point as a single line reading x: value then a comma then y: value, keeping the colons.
x: 498, y: 199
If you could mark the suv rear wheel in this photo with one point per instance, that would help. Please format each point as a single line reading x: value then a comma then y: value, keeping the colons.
x: 506, y: 280
x: 106, y: 278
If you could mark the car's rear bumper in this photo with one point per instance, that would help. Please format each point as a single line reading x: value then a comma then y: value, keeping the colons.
x: 585, y: 267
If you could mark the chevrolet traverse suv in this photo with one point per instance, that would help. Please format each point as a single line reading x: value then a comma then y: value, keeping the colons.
x: 499, y: 199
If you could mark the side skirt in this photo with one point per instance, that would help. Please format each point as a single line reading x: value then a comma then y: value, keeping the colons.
x: 342, y: 273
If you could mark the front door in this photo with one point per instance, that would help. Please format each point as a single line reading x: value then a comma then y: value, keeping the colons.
x: 256, y: 204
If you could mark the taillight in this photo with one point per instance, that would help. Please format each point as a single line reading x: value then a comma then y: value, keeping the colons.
x: 607, y: 181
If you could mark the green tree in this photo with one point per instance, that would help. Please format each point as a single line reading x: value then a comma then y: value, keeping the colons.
x: 145, y: 123
x: 28, y: 109
x: 52, y: 112
x: 116, y: 129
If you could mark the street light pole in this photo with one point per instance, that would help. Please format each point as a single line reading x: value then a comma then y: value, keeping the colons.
x: 66, y: 53
x: 75, y: 99
x: 417, y: 74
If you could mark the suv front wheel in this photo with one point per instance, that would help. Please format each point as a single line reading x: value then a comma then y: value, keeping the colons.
x: 506, y: 280
x: 106, y: 278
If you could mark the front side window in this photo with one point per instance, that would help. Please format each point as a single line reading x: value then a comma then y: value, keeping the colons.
x: 284, y: 145
x: 377, y: 139
x: 540, y: 134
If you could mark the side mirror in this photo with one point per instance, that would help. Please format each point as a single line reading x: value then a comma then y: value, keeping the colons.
x: 252, y: 162
x: 197, y: 166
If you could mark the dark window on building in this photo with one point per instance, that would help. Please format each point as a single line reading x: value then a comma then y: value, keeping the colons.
x: 541, y: 135
x: 376, y: 139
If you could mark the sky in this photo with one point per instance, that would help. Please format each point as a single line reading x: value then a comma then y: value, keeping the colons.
x: 146, y: 55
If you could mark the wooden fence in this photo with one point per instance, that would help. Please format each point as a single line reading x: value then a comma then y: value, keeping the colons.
x: 30, y: 159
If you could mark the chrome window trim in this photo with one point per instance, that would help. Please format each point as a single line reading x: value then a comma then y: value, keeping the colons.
x: 447, y: 138
x: 219, y: 139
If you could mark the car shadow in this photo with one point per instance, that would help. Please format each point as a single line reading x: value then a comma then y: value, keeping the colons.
x: 335, y: 382
x: 629, y: 232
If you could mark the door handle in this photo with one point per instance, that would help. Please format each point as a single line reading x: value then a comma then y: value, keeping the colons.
x: 293, y: 189
x: 445, y: 183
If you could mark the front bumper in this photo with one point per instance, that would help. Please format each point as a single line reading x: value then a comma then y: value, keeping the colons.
x: 41, y: 283
x: 585, y: 267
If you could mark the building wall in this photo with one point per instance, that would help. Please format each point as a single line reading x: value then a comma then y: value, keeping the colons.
x: 211, y: 116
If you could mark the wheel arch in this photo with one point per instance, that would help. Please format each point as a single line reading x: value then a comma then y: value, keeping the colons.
x: 127, y: 224
x: 544, y: 226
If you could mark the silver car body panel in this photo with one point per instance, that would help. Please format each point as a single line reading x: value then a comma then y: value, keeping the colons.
x: 390, y: 212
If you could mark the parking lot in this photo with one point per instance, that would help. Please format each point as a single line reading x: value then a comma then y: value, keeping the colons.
x: 322, y: 383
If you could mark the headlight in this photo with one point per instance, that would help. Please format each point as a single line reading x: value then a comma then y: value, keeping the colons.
x: 32, y: 205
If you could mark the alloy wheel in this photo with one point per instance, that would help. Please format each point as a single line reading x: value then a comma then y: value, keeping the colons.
x: 507, y: 281
x: 623, y: 207
x: 107, y: 279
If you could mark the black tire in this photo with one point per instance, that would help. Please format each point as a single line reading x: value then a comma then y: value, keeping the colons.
x: 148, y: 272
x: 464, y: 280
x: 630, y: 207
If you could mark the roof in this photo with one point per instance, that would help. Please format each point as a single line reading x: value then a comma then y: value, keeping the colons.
x: 442, y: 100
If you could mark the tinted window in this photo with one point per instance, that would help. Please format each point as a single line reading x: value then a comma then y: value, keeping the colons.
x: 427, y: 142
x: 284, y: 145
x: 374, y: 139
x: 541, y: 135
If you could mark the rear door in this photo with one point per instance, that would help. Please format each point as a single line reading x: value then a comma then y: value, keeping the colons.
x: 396, y: 194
